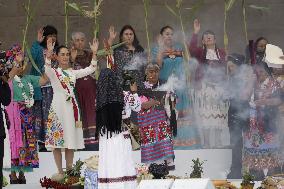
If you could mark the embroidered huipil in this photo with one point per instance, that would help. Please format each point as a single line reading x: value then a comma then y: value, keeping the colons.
x: 131, y: 103
x: 13, y: 110
x: 156, y: 134
x: 64, y: 113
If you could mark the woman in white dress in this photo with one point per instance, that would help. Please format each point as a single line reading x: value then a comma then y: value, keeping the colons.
x: 116, y: 167
x: 64, y: 128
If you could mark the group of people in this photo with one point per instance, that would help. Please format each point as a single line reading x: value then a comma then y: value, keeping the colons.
x: 65, y: 102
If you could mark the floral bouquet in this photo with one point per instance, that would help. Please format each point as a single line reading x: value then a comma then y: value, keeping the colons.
x: 142, y: 172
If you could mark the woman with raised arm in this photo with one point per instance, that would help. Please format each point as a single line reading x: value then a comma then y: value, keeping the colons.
x: 86, y: 87
x: 208, y: 55
x: 22, y: 134
x: 210, y: 106
x: 43, y: 94
x: 64, y: 127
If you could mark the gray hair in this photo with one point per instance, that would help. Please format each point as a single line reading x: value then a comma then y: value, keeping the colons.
x: 74, y: 34
x: 152, y: 66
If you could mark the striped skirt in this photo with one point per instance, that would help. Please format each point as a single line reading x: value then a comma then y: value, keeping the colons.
x: 156, y: 136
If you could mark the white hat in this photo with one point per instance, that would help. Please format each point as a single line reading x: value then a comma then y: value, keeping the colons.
x: 272, y: 56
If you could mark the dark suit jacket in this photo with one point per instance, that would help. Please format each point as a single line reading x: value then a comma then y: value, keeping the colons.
x: 5, y: 99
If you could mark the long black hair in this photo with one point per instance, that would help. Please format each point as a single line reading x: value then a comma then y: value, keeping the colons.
x: 48, y: 30
x: 164, y: 28
x: 128, y: 27
x: 258, y: 40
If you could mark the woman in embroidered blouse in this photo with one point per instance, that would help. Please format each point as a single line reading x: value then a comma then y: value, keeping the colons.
x: 169, y: 56
x: 156, y: 136
x: 64, y: 127
x: 261, y: 139
x: 22, y: 135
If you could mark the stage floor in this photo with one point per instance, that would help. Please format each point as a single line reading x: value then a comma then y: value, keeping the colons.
x: 216, y: 166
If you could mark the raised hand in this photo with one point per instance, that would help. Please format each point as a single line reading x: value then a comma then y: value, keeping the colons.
x: 94, y: 46
x: 74, y: 53
x: 40, y: 36
x: 196, y: 26
x: 112, y: 35
x: 50, y: 47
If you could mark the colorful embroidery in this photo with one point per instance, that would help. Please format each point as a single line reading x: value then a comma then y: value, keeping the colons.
x: 54, y: 130
x: 28, y: 155
x: 156, y: 136
x: 261, y: 149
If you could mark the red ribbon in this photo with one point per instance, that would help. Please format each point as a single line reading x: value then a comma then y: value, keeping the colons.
x: 75, y: 107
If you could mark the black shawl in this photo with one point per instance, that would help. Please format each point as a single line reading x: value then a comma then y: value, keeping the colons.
x: 110, y: 103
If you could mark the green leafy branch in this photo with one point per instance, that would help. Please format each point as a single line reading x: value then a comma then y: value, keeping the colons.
x: 92, y: 14
x: 146, y: 13
x: 255, y: 7
x: 30, y: 15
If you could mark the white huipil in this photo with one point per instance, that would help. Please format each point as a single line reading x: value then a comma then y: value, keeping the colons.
x: 116, y: 166
x: 61, y: 127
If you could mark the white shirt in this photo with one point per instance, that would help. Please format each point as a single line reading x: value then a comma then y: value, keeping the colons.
x: 131, y: 103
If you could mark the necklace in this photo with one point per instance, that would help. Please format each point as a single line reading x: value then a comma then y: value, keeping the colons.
x: 29, y: 100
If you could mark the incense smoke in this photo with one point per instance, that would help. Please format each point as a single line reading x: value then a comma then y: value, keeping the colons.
x: 137, y: 62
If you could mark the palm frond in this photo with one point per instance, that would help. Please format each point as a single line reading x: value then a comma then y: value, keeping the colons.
x: 229, y: 4
x: 261, y: 8
x: 171, y: 9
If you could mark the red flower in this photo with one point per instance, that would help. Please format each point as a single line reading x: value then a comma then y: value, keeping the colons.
x: 9, y: 53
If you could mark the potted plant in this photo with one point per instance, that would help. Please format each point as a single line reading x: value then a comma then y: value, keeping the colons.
x: 197, y: 168
x: 248, y: 181
x: 73, y: 176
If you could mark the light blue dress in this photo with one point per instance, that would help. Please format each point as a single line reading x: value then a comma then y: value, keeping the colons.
x: 175, y: 66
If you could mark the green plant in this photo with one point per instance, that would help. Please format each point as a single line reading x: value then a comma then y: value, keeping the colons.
x: 255, y: 7
x: 30, y: 11
x: 248, y: 179
x: 66, y: 21
x: 146, y: 12
x: 197, y: 168
x: 76, y: 169
x: 93, y: 14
